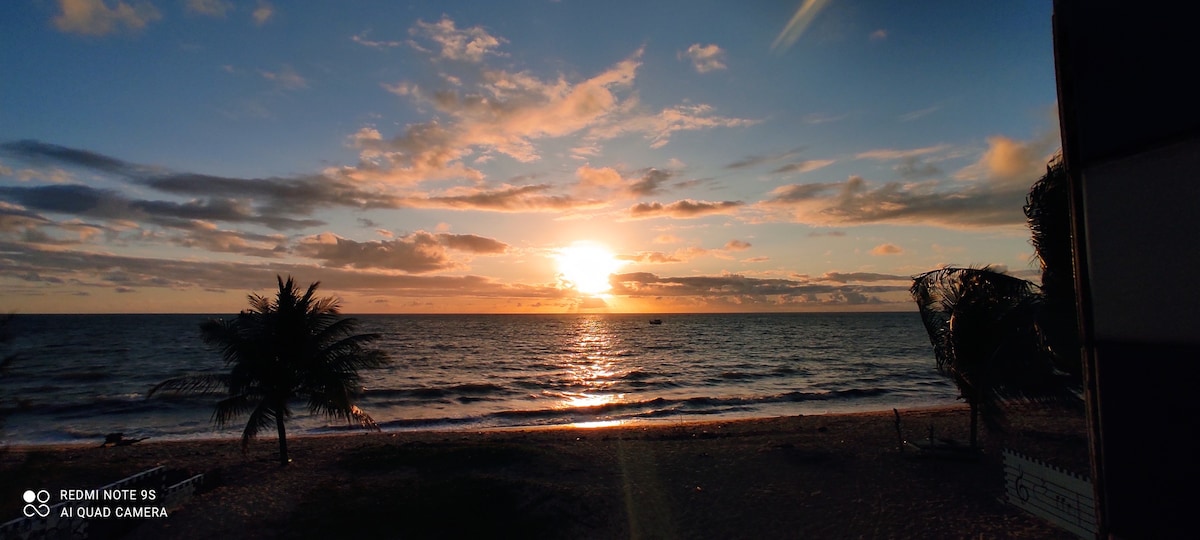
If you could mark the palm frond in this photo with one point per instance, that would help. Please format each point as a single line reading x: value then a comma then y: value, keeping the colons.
x: 232, y: 407
x: 261, y: 417
x: 193, y: 384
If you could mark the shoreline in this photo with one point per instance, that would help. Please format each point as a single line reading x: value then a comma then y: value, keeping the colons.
x: 818, y: 476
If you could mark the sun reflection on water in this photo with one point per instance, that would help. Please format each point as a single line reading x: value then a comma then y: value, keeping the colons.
x: 592, y: 368
x: 597, y: 424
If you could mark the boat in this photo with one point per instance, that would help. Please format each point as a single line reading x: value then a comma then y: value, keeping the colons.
x: 655, y: 321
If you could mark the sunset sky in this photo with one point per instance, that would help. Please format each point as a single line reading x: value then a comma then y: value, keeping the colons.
x: 414, y: 157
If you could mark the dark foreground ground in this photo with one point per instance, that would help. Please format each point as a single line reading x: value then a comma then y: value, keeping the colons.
x: 828, y: 476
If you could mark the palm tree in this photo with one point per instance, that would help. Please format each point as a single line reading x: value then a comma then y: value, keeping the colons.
x: 291, y: 347
x: 1048, y: 210
x: 982, y: 325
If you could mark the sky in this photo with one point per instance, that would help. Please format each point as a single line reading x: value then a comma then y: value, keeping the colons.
x: 509, y: 157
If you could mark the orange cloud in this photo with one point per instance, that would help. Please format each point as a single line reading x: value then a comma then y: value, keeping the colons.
x: 467, y: 44
x: 886, y: 249
x: 94, y: 18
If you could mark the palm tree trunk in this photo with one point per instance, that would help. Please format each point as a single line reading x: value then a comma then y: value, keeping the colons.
x: 283, y: 453
x: 974, y: 425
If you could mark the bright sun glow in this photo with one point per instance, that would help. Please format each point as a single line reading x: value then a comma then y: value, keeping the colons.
x: 586, y: 266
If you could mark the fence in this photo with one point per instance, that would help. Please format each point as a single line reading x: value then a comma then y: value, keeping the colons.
x: 1051, y: 493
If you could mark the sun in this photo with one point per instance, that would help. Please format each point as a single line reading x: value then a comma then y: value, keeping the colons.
x: 585, y: 266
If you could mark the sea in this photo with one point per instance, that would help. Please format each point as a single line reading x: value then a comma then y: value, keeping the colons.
x: 77, y: 378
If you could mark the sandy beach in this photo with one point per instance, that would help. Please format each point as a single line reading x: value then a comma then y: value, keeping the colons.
x: 822, y: 476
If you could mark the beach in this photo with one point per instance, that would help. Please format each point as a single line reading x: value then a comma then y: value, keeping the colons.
x: 812, y: 476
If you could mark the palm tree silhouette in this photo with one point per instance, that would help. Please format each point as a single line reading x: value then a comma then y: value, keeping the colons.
x: 1048, y: 211
x: 982, y: 324
x: 294, y: 346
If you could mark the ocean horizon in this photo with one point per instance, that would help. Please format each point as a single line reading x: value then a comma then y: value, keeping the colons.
x: 79, y: 377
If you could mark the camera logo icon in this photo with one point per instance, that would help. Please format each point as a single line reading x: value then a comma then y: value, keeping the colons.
x: 41, y: 497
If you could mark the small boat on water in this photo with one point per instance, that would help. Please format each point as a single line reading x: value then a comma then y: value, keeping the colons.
x: 655, y: 321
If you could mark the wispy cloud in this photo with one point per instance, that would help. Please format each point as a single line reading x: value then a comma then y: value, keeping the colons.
x: 910, y: 116
x: 286, y: 78
x: 361, y: 39
x: 886, y: 154
x: 685, y: 254
x: 465, y: 44
x: 754, y: 161
x: 803, y: 166
x: 704, y: 58
x: 861, y: 277
x: 212, y: 8
x: 95, y: 18
x: 823, y: 118
x: 263, y: 12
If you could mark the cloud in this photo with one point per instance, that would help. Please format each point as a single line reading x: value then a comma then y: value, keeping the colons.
x: 683, y: 209
x: 737, y: 245
x: 604, y: 178
x: 859, y: 277
x: 467, y: 44
x: 212, y: 8
x: 1010, y: 160
x: 207, y: 236
x: 361, y: 39
x: 95, y: 18
x: 822, y: 118
x: 484, y: 113
x: 263, y: 13
x: 505, y: 198
x: 878, y: 35
x: 472, y: 243
x: 912, y: 168
x: 889, y: 154
x: 990, y: 192
x: 704, y: 58
x: 78, y: 268
x: 505, y: 113
x: 685, y: 254
x: 798, y: 24
x: 910, y: 116
x: 279, y: 203
x: 651, y: 257
x: 886, y: 249
x: 419, y: 252
x: 81, y: 200
x: 286, y: 78
x: 753, y: 161
x: 607, y: 183
x: 856, y: 201
x: 746, y: 290
x: 659, y: 127
x: 803, y: 166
